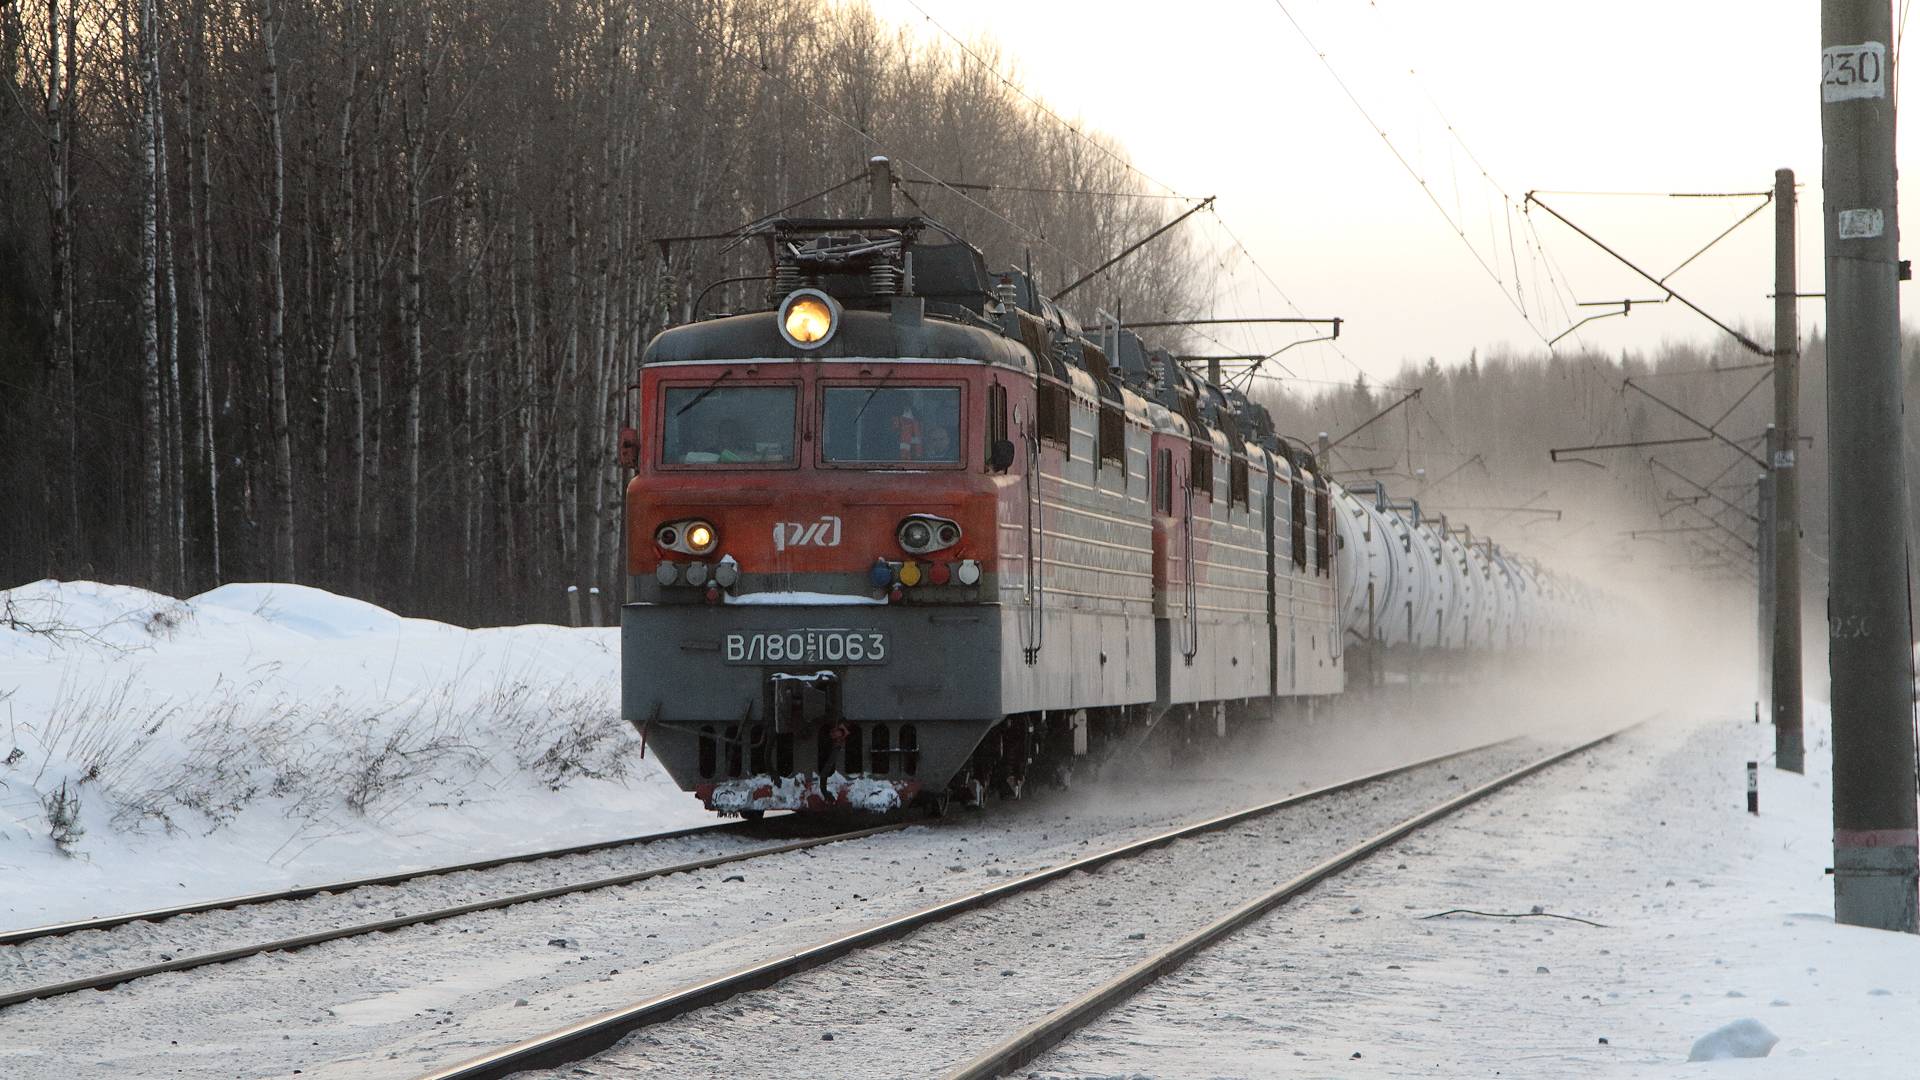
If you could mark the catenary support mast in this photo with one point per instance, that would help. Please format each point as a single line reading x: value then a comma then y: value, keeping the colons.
x: 1869, y: 636
x: 1789, y: 749
x: 1764, y: 534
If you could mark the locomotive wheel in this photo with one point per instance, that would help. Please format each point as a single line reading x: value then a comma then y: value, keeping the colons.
x: 752, y: 815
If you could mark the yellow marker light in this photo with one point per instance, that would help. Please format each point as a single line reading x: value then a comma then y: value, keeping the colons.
x: 808, y: 318
x: 700, y: 537
x: 909, y: 573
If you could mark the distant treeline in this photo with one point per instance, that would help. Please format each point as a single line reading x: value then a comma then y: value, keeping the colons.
x: 348, y: 293
x: 1476, y: 444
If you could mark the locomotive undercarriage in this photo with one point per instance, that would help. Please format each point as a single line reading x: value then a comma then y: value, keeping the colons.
x: 820, y: 761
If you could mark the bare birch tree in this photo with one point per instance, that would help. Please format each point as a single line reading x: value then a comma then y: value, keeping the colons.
x: 282, y: 428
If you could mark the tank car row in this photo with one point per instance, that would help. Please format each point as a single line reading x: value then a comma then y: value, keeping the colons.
x: 914, y: 533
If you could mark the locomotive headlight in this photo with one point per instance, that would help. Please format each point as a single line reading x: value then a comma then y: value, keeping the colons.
x: 694, y: 537
x: 808, y: 318
x: 923, y: 533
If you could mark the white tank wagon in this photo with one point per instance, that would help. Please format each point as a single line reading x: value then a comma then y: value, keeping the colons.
x: 1413, y: 587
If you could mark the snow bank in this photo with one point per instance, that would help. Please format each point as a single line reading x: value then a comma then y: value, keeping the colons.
x: 158, y: 750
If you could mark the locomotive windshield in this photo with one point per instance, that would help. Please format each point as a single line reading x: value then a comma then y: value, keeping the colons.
x: 891, y: 425
x: 729, y: 425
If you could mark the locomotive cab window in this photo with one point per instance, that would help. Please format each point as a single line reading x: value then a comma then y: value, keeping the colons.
x: 1237, y: 483
x: 728, y: 425
x: 1163, y: 482
x: 890, y: 425
x: 996, y: 419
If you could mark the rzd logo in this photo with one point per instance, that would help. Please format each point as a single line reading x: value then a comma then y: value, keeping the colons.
x: 822, y: 533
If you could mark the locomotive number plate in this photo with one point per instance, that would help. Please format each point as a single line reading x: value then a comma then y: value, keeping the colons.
x: 806, y: 647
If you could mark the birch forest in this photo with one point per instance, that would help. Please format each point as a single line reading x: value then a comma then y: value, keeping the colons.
x: 349, y: 292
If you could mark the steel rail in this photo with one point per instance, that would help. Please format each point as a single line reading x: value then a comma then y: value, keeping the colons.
x: 303, y: 892
x: 186, y: 963
x: 1028, y: 1044
x: 594, y: 1034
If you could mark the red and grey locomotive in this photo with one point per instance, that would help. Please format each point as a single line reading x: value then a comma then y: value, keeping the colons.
x: 914, y: 533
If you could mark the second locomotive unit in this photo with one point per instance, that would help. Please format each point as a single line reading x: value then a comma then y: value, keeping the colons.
x: 913, y: 533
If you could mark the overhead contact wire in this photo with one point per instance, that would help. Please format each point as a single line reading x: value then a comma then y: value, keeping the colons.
x: 1425, y: 188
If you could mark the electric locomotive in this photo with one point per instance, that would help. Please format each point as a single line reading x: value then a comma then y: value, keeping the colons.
x: 914, y: 533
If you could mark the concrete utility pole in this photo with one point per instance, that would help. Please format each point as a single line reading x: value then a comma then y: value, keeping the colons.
x: 1870, y: 640
x: 1789, y: 748
x: 1763, y: 509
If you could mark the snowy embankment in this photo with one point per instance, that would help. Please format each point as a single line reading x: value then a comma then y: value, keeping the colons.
x: 159, y: 750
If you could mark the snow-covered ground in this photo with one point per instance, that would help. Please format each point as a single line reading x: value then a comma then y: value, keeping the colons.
x: 154, y: 750
x: 261, y: 735
x: 1710, y: 917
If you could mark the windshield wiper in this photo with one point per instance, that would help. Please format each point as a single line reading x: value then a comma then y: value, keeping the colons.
x: 704, y: 391
x: 876, y: 389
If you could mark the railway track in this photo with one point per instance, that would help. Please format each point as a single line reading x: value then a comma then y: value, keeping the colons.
x: 1029, y: 1043
x: 586, y: 1038
x: 334, y: 888
x: 107, y: 979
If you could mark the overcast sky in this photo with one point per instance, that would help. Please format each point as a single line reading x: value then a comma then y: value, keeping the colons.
x: 1225, y: 98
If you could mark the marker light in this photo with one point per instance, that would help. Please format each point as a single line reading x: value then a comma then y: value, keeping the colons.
x: 666, y: 573
x: 700, y: 538
x: 922, y: 534
x: 968, y: 573
x: 697, y: 573
x: 808, y: 318
x: 910, y: 573
x: 727, y: 572
x: 880, y: 573
x: 938, y: 574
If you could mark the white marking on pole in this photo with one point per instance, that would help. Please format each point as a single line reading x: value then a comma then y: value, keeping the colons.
x: 1853, y: 72
x: 1862, y: 224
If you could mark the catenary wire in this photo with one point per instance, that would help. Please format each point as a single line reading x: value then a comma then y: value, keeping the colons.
x: 1425, y: 188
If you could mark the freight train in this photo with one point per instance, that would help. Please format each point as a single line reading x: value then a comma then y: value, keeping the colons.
x: 915, y: 534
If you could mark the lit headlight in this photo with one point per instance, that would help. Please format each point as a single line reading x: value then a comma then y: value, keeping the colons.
x: 808, y: 318
x: 923, y: 533
x: 688, y: 537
